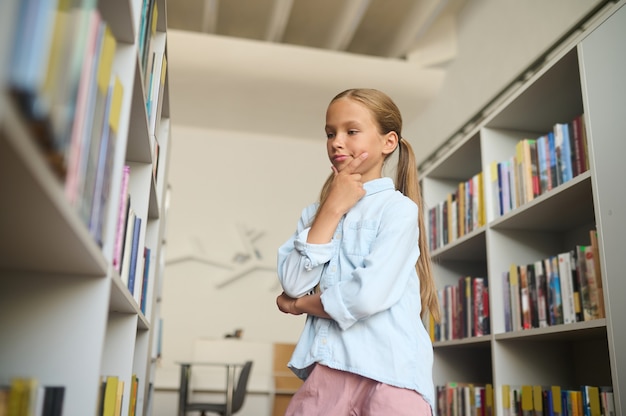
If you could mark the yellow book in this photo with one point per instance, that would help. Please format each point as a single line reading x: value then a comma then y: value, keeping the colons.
x: 110, y: 396
x: 538, y: 400
x: 132, y: 403
x: 488, y: 399
x: 577, y: 403
x: 481, y: 200
x: 557, y: 409
x: 516, y: 313
x: 116, y: 105
x: 450, y: 215
x: 22, y: 396
x: 119, y: 397
x: 506, y: 399
x: 494, y: 190
x: 593, y: 400
x: 527, y: 400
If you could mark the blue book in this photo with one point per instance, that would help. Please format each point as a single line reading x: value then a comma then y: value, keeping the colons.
x: 565, y: 162
x: 146, y: 274
x: 133, y: 255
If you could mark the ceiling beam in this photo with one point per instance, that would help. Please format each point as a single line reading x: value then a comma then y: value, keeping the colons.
x: 346, y: 24
x: 209, y: 16
x: 278, y: 20
x: 417, y: 22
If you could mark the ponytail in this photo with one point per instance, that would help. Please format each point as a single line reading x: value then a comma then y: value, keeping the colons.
x: 408, y: 183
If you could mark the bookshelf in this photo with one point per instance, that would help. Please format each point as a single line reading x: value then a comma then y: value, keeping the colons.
x: 78, y: 103
x: 582, y: 75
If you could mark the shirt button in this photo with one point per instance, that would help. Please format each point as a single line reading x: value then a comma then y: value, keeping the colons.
x: 333, y: 269
x: 324, y: 341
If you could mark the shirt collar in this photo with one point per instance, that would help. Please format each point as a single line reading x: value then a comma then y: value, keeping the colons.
x: 378, y: 185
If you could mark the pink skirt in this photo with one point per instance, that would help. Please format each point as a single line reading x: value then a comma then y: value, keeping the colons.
x: 329, y: 392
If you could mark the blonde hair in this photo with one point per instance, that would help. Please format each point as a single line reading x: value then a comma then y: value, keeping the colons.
x: 388, y: 118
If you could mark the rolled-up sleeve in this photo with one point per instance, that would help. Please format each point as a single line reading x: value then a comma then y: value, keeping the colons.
x: 300, y: 264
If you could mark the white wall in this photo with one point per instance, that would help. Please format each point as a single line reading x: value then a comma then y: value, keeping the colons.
x: 224, y: 178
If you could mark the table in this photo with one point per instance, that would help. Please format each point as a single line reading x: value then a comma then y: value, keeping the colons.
x: 185, y: 375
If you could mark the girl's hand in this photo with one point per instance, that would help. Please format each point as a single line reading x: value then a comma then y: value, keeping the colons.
x: 287, y: 304
x: 346, y: 189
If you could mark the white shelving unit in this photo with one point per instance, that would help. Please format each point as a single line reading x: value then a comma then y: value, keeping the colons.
x: 66, y: 316
x: 582, y: 76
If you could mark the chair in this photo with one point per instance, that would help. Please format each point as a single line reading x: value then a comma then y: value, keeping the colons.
x: 221, y: 408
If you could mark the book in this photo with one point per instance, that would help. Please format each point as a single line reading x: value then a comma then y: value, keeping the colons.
x: 578, y: 309
x: 524, y: 162
x: 53, y: 401
x: 591, y: 400
x: 132, y: 402
x: 31, y: 52
x: 98, y: 118
x: 134, y: 250
x: 527, y: 405
x: 506, y: 303
x: 506, y: 400
x: 119, y: 398
x: 516, y: 302
x: 555, y: 177
x: 524, y: 297
x: 506, y: 192
x: 146, y: 276
x: 128, y: 243
x: 104, y: 168
x: 537, y: 400
x: 158, y: 89
x: 542, y: 294
x: 579, y: 147
x: 492, y: 182
x: 555, y: 300
x: 513, y: 188
x: 581, y: 275
x: 502, y: 188
x: 80, y: 110
x: 109, y: 399
x: 595, y: 250
x: 594, y: 286
x: 489, y: 406
x: 532, y: 294
x: 607, y: 401
x: 4, y: 399
x: 567, y: 289
x: 554, y: 404
x: 481, y: 320
x: 563, y: 152
x: 543, y: 163
x: 466, y: 307
x: 23, y: 396
x: 123, y: 209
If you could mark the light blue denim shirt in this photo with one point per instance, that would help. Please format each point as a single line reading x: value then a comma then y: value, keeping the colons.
x: 370, y: 289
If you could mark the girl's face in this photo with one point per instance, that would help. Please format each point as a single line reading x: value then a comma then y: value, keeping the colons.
x: 351, y: 130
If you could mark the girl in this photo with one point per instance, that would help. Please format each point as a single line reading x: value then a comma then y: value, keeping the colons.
x: 353, y: 267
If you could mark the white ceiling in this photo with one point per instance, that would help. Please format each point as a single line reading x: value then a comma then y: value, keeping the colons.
x: 386, y: 28
x: 271, y: 66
